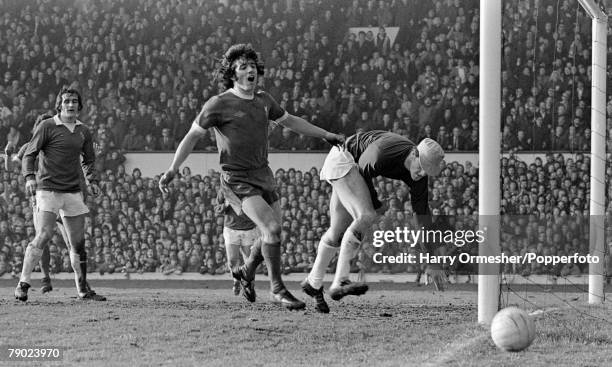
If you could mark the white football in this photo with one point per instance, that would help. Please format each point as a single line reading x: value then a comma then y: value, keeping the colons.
x: 512, y: 329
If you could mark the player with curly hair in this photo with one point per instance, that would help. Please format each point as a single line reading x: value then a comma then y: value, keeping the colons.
x: 240, y: 117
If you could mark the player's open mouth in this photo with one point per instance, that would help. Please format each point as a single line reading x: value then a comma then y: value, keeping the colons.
x: 251, y: 78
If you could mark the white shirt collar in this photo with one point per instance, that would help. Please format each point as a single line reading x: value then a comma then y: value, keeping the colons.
x: 239, y: 94
x: 58, y: 121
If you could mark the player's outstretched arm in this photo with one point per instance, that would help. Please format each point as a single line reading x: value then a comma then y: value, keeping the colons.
x: 301, y: 126
x: 182, y: 152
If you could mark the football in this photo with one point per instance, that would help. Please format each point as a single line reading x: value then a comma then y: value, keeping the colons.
x: 512, y: 329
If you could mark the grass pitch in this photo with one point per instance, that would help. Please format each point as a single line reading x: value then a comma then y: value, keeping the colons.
x: 193, y: 323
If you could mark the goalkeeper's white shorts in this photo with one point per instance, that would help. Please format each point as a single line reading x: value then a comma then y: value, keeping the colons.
x: 337, y: 164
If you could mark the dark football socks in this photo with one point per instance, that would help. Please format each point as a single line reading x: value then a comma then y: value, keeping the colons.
x: 255, y: 258
x: 44, y: 261
x: 272, y: 254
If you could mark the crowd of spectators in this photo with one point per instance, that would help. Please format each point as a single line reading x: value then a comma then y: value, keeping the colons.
x: 146, y: 67
x: 135, y: 228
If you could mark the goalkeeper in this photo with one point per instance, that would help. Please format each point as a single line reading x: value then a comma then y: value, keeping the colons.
x: 350, y: 168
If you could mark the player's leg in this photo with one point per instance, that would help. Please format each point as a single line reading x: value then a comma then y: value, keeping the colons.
x: 75, y: 230
x: 340, y: 219
x: 45, y: 282
x: 233, y: 240
x: 45, y: 257
x: 73, y: 217
x: 254, y: 256
x: 63, y: 233
x: 251, y: 238
x: 45, y: 214
x: 267, y: 218
x: 355, y: 197
x: 246, y: 273
x: 245, y: 249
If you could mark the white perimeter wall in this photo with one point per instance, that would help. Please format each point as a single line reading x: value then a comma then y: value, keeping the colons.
x: 152, y: 164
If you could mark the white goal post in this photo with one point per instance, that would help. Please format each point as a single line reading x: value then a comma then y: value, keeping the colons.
x: 489, y: 193
x: 597, y: 202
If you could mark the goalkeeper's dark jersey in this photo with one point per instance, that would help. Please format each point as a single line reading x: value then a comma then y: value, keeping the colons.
x: 382, y: 153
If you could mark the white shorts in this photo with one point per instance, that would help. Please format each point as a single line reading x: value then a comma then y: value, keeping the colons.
x: 64, y: 204
x: 337, y: 164
x: 241, y: 238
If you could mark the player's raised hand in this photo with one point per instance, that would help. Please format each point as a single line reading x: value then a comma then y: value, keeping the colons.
x: 335, y: 139
x: 165, y: 179
x: 30, y: 186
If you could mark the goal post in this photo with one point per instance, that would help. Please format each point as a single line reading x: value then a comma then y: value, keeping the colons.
x: 489, y: 193
x: 489, y: 190
x: 597, y: 200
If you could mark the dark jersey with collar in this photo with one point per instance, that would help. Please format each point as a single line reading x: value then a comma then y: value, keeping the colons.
x: 382, y: 153
x: 22, y: 151
x: 241, y: 128
x: 59, y: 152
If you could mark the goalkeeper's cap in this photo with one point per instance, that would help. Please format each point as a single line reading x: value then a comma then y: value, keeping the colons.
x: 431, y: 156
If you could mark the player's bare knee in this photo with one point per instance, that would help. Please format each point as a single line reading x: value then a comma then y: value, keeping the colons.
x: 271, y: 232
x: 331, y: 238
x: 43, y: 236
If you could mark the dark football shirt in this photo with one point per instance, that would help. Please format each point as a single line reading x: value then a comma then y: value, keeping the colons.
x: 59, y: 156
x: 241, y: 128
x: 22, y: 151
x: 382, y: 153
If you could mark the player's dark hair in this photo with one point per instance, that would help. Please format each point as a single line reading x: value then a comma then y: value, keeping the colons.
x: 64, y: 90
x: 226, y: 71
